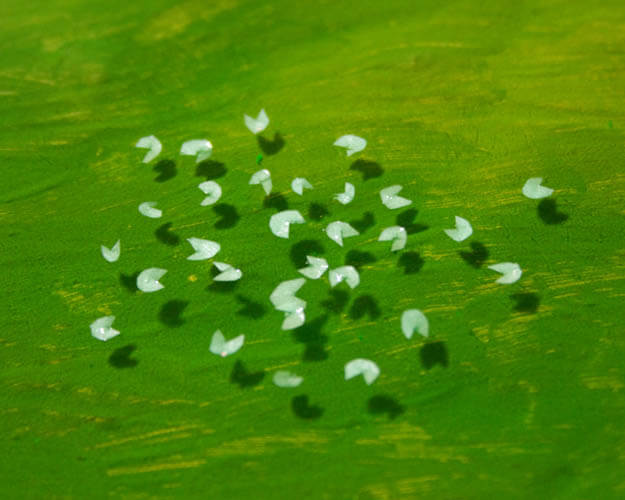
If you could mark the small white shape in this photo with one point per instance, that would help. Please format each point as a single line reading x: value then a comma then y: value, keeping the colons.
x: 111, y: 254
x: 224, y: 348
x: 147, y: 208
x: 317, y: 266
x: 299, y: 184
x: 365, y: 367
x: 533, y: 189
x: 352, y: 143
x: 262, y: 177
x: 200, y: 148
x: 347, y: 196
x: 391, y: 199
x: 414, y: 320
x: 282, y: 378
x: 147, y: 281
x: 153, y: 144
x: 102, y: 329
x: 511, y: 272
x: 213, y: 190
x: 294, y: 319
x: 227, y: 272
x: 283, y: 295
x: 347, y: 273
x: 462, y: 230
x: 397, y: 235
x: 338, y: 230
x: 280, y: 222
x: 204, y: 249
x: 257, y: 125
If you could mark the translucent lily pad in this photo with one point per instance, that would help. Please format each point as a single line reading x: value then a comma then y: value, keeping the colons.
x: 462, y: 230
x: 222, y: 347
x: 533, y: 189
x: 338, y: 230
x: 283, y: 378
x: 147, y: 281
x: 352, y: 143
x: 316, y: 267
x: 153, y: 144
x: 258, y: 124
x: 213, y: 190
x: 397, y: 235
x: 414, y: 320
x: 345, y: 273
x: 102, y: 329
x: 365, y: 367
x: 262, y: 177
x: 511, y: 272
x: 147, y: 208
x: 228, y: 273
x: 391, y: 199
x: 200, y: 148
x: 204, y: 249
x: 299, y: 184
x: 111, y: 254
x: 347, y: 196
x: 280, y: 222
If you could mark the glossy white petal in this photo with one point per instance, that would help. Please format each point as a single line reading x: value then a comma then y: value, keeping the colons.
x: 262, y: 177
x: 147, y: 208
x: 283, y: 378
x: 222, y: 347
x: 294, y: 319
x: 280, y: 222
x: 204, y: 249
x: 462, y: 230
x: 299, y: 184
x: 352, y: 143
x: 414, y: 320
x: 147, y: 281
x: 391, y: 199
x: 228, y: 273
x: 365, y: 367
x: 213, y: 190
x: 102, y: 329
x: 200, y: 148
x: 258, y: 124
x: 285, y: 292
x: 511, y: 272
x: 397, y: 235
x: 533, y: 189
x: 338, y: 230
x: 111, y: 254
x: 347, y: 196
x: 345, y: 273
x: 153, y: 144
x: 316, y: 267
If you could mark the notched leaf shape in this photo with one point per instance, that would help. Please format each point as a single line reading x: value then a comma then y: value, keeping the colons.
x: 147, y: 208
x: 227, y: 272
x: 413, y: 320
x: 532, y: 189
x: 262, y: 177
x: 299, y: 184
x: 365, y: 367
x: 283, y: 299
x: 338, y: 230
x: 347, y: 196
x: 147, y: 281
x: 200, y: 148
x: 204, y: 249
x: 258, y: 124
x: 153, y: 144
x: 316, y: 267
x: 397, y: 235
x: 345, y: 273
x: 352, y: 143
x: 511, y: 272
x: 222, y: 347
x: 280, y: 222
x: 111, y: 254
x: 213, y: 190
x: 283, y: 378
x: 462, y: 230
x: 102, y: 329
x: 391, y: 199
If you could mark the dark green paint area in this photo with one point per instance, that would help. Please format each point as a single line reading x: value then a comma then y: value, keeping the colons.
x: 520, y: 390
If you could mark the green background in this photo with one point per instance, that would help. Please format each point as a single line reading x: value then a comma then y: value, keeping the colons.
x: 518, y: 393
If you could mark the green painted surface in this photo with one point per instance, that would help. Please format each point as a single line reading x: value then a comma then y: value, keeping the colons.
x: 520, y: 392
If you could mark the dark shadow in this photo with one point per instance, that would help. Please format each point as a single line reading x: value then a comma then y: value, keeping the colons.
x: 526, y: 302
x: 210, y: 169
x: 166, y: 170
x: 250, y: 309
x: 311, y: 336
x: 365, y: 304
x: 276, y: 201
x: 477, y: 256
x: 243, y: 378
x: 358, y: 259
x: 368, y: 169
x: 367, y: 221
x: 301, y: 249
x: 548, y: 212
x: 228, y: 216
x: 412, y: 262
x: 434, y: 353
x: 271, y: 147
x: 336, y: 302
x: 385, y: 405
x: 221, y: 286
x: 302, y: 409
x: 120, y: 357
x: 129, y: 281
x: 406, y: 220
x: 317, y: 211
x: 171, y: 311
x: 163, y: 235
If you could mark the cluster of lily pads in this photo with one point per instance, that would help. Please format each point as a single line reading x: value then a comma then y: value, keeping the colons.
x: 283, y: 296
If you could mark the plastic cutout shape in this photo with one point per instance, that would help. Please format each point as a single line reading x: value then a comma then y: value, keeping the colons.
x: 222, y: 347
x: 153, y: 144
x: 414, y: 320
x: 202, y: 149
x: 347, y: 273
x: 262, y: 177
x: 283, y: 299
x: 352, y: 143
x: 280, y: 222
x: 257, y: 125
x: 111, y: 254
x: 533, y: 189
x: 213, y: 190
x: 391, y: 199
x: 147, y: 208
x: 316, y: 267
x: 283, y: 378
x: 299, y: 184
x: 227, y: 272
x: 204, y: 249
x: 338, y: 230
x: 347, y: 196
x: 102, y: 329
x: 397, y: 235
x: 462, y: 230
x: 147, y: 281
x: 511, y: 272
x: 365, y: 367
